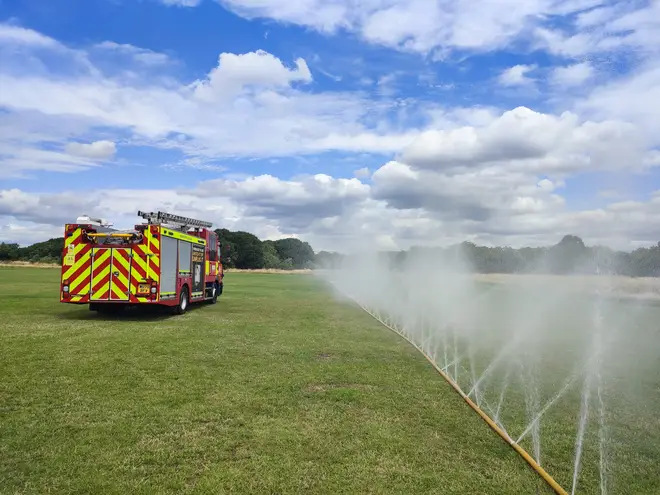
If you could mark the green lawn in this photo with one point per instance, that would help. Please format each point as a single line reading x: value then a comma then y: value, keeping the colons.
x: 276, y: 389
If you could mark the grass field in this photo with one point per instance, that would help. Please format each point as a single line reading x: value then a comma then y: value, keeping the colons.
x: 276, y: 389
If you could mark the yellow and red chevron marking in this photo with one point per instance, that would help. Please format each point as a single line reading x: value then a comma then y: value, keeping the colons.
x: 101, y: 265
x: 121, y: 273
x: 76, y: 266
x: 75, y: 236
x: 138, y: 273
x: 152, y: 235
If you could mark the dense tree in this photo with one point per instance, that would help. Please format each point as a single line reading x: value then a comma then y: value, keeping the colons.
x: 271, y: 258
x: 49, y: 251
x: 9, y: 252
x: 247, y: 251
x: 300, y: 253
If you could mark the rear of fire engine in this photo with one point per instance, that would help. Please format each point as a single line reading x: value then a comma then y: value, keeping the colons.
x: 170, y: 260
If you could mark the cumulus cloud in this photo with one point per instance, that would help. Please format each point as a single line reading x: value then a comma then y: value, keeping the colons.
x: 404, y: 207
x: 294, y: 202
x: 522, y: 139
x: 516, y: 75
x: 52, y: 209
x: 476, y: 196
x: 101, y: 150
x: 257, y: 69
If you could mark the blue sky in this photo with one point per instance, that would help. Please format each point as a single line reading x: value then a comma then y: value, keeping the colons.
x: 378, y: 121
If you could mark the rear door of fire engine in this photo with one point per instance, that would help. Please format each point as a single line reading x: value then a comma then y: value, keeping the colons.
x: 110, y: 275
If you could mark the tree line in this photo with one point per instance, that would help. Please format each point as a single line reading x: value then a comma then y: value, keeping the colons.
x: 569, y: 256
x: 241, y: 250
x: 246, y: 251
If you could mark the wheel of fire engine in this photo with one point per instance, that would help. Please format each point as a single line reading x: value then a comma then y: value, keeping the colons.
x: 214, y: 299
x: 183, y: 301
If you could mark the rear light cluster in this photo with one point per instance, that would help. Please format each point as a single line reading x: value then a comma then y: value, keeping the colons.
x: 65, y: 286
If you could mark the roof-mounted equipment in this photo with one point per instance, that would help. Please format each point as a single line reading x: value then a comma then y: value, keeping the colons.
x: 183, y: 223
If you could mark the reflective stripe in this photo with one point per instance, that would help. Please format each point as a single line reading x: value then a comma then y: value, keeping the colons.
x: 184, y: 237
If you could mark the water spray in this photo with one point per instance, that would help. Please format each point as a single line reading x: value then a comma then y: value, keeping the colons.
x: 538, y: 358
x: 493, y: 425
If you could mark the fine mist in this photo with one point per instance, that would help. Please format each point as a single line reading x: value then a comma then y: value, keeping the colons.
x: 568, y: 366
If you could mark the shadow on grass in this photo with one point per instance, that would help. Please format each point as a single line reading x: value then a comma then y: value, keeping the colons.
x: 131, y: 313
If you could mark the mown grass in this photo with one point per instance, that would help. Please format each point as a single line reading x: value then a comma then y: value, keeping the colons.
x: 276, y: 389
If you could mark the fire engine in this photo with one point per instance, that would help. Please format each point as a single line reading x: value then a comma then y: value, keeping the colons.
x: 170, y: 260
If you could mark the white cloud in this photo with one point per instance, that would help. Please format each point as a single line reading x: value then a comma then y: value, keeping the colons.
x: 27, y: 233
x: 294, y: 202
x: 362, y: 173
x: 429, y: 26
x: 17, y: 35
x: 572, y: 75
x: 609, y: 28
x: 246, y: 106
x: 516, y: 75
x: 182, y: 3
x: 101, y: 150
x: 403, y: 208
x: 141, y: 55
x: 21, y: 161
x: 632, y: 98
x: 257, y: 70
x: 473, y: 197
x: 522, y: 139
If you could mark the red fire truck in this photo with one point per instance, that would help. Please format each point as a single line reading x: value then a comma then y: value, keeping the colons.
x: 170, y: 260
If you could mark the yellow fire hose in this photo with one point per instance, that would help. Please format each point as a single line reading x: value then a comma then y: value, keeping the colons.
x: 523, y: 453
x: 530, y: 460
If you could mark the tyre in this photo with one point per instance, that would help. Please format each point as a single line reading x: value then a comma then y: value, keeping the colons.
x: 183, y: 301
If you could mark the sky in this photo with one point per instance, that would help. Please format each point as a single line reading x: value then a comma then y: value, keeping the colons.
x: 345, y: 123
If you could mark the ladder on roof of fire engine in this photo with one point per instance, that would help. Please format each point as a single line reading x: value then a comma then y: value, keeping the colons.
x: 182, y: 222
